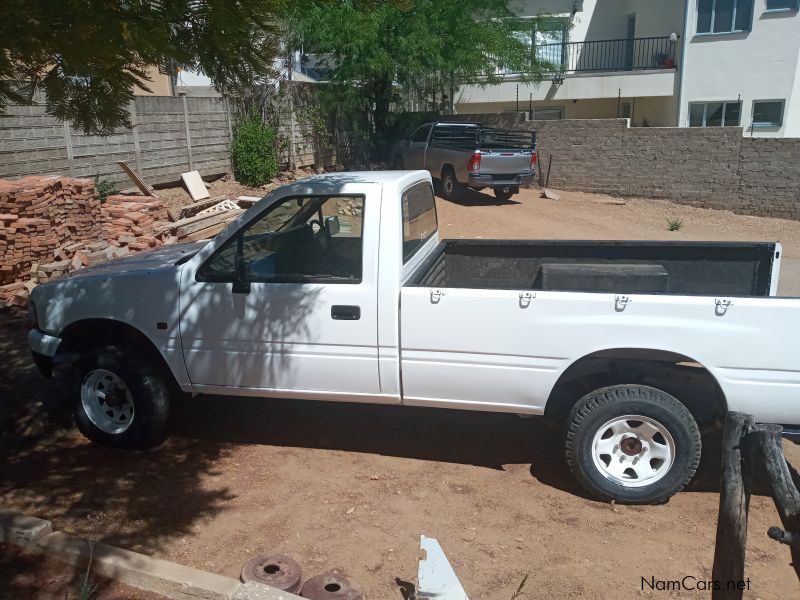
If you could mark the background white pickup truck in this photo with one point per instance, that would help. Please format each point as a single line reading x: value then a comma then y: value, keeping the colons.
x: 338, y: 287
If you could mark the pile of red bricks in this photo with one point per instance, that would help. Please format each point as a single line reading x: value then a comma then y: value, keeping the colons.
x: 52, y: 225
x: 132, y: 220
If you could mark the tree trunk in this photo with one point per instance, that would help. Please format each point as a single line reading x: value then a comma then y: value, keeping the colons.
x: 382, y: 96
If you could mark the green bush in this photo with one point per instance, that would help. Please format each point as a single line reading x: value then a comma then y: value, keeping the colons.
x: 104, y: 188
x: 253, y: 152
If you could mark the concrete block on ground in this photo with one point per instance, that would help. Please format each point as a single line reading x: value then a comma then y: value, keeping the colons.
x: 22, y: 530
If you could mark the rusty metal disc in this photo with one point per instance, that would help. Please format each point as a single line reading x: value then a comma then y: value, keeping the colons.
x: 331, y: 586
x: 276, y: 570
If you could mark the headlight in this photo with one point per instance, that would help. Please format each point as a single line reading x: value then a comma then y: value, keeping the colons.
x: 32, y: 320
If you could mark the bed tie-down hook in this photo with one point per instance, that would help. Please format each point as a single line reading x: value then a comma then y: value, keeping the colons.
x: 621, y: 302
x: 436, y: 295
x: 721, y: 306
x: 525, y: 299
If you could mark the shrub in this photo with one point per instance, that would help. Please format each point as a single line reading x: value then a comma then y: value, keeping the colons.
x: 104, y: 188
x: 674, y: 224
x: 253, y: 152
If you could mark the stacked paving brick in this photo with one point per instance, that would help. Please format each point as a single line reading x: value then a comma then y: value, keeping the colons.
x: 52, y: 225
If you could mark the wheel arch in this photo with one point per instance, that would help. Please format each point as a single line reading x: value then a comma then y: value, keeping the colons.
x: 681, y: 376
x: 80, y: 335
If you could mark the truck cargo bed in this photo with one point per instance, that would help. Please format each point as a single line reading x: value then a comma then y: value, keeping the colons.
x: 683, y: 268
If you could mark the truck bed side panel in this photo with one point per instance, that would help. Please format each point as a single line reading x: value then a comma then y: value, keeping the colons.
x: 495, y: 350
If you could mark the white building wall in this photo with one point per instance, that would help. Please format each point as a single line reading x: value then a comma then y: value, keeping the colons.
x: 761, y: 64
x: 593, y: 95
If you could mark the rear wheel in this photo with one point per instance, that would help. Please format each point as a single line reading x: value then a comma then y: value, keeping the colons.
x: 450, y: 185
x: 120, y: 399
x: 632, y: 443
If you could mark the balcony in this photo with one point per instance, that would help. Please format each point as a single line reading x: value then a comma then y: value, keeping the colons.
x: 605, y: 56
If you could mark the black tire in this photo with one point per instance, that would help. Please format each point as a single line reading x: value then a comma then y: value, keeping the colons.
x: 397, y: 163
x: 590, y: 417
x: 449, y: 185
x: 503, y: 196
x: 150, y: 391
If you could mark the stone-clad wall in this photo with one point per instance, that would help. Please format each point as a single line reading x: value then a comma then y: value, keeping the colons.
x: 708, y: 167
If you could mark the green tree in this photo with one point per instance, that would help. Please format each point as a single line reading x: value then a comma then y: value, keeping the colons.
x: 88, y: 54
x: 375, y: 50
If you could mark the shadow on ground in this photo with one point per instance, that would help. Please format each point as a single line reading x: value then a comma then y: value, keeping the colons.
x: 488, y: 440
x: 470, y: 197
x: 132, y: 500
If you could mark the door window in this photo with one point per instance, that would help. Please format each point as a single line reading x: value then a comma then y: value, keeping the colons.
x: 300, y: 239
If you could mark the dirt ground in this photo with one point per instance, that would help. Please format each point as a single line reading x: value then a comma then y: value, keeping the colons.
x: 27, y: 575
x: 352, y: 487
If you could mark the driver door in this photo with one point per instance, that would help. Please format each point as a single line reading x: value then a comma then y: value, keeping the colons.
x: 287, y: 305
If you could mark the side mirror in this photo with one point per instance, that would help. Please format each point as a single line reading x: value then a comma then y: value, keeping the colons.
x: 240, y: 283
x: 332, y: 225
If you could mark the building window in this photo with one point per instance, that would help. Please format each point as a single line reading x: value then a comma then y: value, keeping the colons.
x: 781, y: 5
x: 767, y: 113
x: 715, y: 114
x: 724, y: 16
x: 547, y: 114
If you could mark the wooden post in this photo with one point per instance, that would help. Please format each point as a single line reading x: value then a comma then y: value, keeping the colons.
x: 734, y: 502
x: 784, y: 492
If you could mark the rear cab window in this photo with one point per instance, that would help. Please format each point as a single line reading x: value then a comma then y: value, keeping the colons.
x: 419, y: 218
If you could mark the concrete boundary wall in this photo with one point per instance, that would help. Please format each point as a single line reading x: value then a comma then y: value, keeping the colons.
x: 708, y: 167
x: 170, y: 135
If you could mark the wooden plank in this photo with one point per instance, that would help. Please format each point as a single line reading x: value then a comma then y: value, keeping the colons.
x: 204, y: 234
x: 734, y: 503
x: 134, y: 177
x: 195, y: 184
x: 191, y: 210
x: 207, y: 221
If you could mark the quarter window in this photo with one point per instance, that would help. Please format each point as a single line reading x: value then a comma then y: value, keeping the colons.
x: 724, y: 16
x: 419, y: 218
x: 715, y: 114
x: 768, y: 113
x: 300, y: 239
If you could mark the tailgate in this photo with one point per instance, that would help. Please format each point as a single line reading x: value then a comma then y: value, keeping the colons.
x: 505, y: 162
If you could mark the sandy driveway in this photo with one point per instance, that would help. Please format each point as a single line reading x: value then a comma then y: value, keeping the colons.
x: 352, y: 487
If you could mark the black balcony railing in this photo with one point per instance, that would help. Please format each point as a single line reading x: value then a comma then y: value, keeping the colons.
x: 635, y: 54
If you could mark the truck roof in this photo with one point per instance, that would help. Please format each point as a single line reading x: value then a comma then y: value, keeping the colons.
x: 395, y: 177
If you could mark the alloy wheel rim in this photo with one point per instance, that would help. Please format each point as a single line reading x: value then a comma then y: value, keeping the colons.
x: 107, y: 401
x: 633, y: 450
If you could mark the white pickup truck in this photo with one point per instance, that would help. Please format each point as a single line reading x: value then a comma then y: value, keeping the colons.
x: 338, y: 287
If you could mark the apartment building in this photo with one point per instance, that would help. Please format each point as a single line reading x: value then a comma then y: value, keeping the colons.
x: 662, y: 63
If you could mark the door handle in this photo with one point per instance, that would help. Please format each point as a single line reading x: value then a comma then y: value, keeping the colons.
x: 345, y: 312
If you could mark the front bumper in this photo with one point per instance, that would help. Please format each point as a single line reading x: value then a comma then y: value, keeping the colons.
x: 500, y: 181
x: 43, y: 348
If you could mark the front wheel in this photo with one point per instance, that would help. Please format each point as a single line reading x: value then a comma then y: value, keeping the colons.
x: 120, y: 399
x: 632, y: 443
